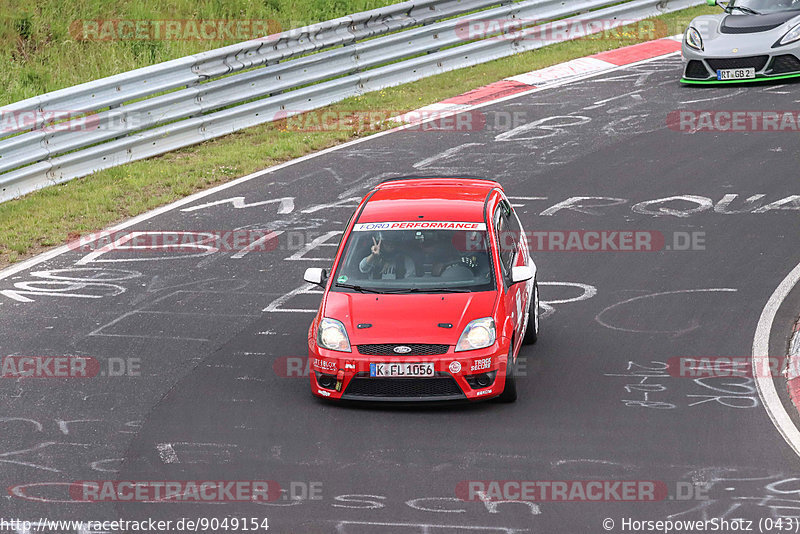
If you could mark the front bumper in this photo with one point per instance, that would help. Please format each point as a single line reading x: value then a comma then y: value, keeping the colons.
x: 692, y: 73
x: 453, y: 374
x: 771, y: 64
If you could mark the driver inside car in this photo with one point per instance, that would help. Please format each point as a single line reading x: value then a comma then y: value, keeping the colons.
x: 386, y: 260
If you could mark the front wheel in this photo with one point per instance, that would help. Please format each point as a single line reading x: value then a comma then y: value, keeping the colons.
x: 509, y: 393
x: 532, y: 329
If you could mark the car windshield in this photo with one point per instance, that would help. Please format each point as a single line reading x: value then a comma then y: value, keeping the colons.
x: 764, y: 6
x: 410, y: 261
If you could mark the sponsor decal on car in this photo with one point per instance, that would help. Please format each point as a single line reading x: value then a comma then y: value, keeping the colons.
x: 419, y: 225
x: 325, y: 365
x: 455, y: 367
x: 483, y: 363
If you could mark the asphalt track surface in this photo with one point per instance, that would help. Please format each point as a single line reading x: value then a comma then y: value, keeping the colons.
x: 595, y: 404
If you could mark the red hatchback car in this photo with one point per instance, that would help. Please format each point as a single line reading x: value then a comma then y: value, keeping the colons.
x: 431, y: 296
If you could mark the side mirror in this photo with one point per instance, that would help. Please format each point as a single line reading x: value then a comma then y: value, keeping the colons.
x: 315, y: 275
x: 711, y: 2
x: 521, y: 273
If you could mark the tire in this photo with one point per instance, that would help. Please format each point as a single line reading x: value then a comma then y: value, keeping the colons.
x: 532, y: 329
x: 509, y: 393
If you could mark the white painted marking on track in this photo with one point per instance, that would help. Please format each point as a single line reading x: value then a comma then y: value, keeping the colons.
x: 415, y: 504
x: 34, y: 422
x: 449, y: 153
x: 546, y: 127
x: 37, y: 447
x: 120, y: 244
x: 348, y: 202
x: 491, y: 505
x: 525, y: 199
x: 635, y: 95
x: 715, y: 98
x: 426, y: 528
x: 320, y: 241
x: 285, y: 204
x: 305, y: 289
x: 17, y: 295
x: 98, y: 331
x: 588, y: 291
x: 763, y: 377
x: 653, y: 295
x: 255, y: 245
x: 167, y: 453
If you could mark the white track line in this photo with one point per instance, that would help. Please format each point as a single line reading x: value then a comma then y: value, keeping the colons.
x: 763, y: 377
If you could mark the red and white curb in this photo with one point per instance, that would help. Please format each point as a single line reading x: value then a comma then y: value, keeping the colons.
x: 793, y: 373
x: 594, y: 64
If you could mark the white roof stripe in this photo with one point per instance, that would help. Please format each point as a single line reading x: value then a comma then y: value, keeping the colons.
x: 419, y: 225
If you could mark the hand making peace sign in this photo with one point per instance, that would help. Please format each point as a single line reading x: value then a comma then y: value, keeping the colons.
x: 376, y: 246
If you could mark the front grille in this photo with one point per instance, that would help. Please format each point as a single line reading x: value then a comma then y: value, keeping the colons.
x: 756, y: 62
x: 696, y: 69
x: 402, y: 388
x: 783, y: 64
x: 417, y: 349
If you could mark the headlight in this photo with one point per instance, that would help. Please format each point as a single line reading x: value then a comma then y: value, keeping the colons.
x: 693, y: 39
x: 332, y: 335
x: 478, y: 334
x: 791, y: 36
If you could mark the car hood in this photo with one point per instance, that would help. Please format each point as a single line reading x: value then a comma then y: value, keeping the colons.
x: 407, y: 318
x: 739, y: 24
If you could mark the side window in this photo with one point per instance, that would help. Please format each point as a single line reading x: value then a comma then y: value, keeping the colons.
x: 507, y: 232
x: 516, y: 230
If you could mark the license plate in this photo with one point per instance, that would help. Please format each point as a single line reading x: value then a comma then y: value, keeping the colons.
x: 401, y: 369
x: 736, y: 74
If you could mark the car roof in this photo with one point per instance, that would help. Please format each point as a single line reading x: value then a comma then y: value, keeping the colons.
x: 433, y: 199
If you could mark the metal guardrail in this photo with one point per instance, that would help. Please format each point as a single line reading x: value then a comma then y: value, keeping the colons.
x: 156, y: 109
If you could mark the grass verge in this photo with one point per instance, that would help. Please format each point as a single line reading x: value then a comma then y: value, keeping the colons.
x: 46, y: 218
x: 52, y: 44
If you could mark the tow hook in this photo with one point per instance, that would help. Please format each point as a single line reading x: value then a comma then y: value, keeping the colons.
x: 339, y: 380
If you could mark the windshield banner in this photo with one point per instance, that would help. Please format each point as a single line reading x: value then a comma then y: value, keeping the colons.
x: 419, y: 225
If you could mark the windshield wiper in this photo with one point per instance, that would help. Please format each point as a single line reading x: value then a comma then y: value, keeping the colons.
x: 429, y: 290
x: 358, y: 288
x: 745, y: 10
x: 404, y: 290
